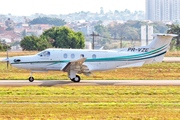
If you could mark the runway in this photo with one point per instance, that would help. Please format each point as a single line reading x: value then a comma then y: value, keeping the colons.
x: 56, y: 83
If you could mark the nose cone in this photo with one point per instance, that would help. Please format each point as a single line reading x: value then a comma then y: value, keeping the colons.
x: 5, y: 60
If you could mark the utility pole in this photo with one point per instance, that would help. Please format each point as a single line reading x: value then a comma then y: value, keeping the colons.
x: 93, y: 38
x: 121, y: 41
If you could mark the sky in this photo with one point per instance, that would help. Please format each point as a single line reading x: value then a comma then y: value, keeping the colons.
x: 29, y: 7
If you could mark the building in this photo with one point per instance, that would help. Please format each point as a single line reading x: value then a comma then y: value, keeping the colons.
x: 175, y: 10
x: 166, y: 10
x: 163, y: 10
x: 87, y: 30
x: 158, y: 10
x: 150, y: 10
x: 9, y: 23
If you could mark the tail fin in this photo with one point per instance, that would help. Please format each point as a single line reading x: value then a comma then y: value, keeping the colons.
x: 161, y: 40
x: 161, y: 43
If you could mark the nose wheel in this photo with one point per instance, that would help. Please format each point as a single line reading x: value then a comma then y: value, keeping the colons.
x: 31, y: 79
x: 76, y: 79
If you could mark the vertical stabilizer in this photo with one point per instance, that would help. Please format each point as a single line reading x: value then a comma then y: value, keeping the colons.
x: 160, y: 44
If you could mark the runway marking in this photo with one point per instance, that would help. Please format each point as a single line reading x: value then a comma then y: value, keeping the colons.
x: 58, y: 83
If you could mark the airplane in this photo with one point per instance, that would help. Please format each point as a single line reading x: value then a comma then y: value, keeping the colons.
x: 81, y: 61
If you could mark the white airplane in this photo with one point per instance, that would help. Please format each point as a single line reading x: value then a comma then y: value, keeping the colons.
x: 74, y: 61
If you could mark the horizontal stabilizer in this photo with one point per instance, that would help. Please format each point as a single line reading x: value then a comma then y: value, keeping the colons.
x: 139, y: 64
x: 161, y: 34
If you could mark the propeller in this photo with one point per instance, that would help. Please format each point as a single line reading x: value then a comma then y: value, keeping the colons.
x: 7, y: 62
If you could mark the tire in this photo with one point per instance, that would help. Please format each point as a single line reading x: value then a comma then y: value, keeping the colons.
x: 31, y: 79
x: 72, y: 80
x: 77, y: 79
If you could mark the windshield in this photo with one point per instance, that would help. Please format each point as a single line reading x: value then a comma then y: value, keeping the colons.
x: 44, y: 54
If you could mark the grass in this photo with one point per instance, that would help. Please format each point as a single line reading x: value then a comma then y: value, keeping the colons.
x: 159, y: 71
x: 19, y: 53
x: 90, y: 102
x: 173, y: 54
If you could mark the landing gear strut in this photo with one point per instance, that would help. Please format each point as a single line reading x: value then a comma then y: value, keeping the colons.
x: 76, y: 79
x: 31, y: 79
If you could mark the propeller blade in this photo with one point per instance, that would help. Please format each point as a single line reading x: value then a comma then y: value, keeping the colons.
x: 7, y: 54
x: 7, y: 66
x: 7, y: 61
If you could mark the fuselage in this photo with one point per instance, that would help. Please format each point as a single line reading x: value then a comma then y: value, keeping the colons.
x: 97, y: 60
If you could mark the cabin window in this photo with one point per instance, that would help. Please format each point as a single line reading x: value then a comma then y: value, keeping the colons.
x: 82, y: 56
x: 65, y: 55
x: 17, y: 60
x: 94, y: 56
x: 44, y: 54
x: 72, y: 56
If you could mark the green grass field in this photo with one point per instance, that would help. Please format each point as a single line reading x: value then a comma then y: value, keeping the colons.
x: 166, y: 71
x: 106, y: 102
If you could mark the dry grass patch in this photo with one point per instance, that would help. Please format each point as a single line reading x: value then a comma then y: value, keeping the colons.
x: 90, y: 102
x: 19, y: 53
x: 173, y: 54
x: 73, y: 111
x: 159, y: 71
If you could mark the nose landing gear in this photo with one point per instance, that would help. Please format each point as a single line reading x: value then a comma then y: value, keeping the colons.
x: 31, y: 79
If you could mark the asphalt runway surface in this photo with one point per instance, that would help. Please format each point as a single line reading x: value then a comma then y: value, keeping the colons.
x: 56, y: 83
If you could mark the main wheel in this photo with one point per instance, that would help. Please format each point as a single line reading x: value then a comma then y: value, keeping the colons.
x: 72, y: 80
x: 31, y: 79
x: 76, y: 79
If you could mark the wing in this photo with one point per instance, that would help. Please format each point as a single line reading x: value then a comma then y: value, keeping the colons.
x: 77, y: 65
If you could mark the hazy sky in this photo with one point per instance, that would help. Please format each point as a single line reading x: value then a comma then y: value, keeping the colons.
x: 28, y: 7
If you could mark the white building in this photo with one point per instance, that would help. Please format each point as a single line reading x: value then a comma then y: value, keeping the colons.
x: 150, y: 10
x: 163, y: 10
x: 166, y: 10
x: 175, y: 10
x: 158, y: 10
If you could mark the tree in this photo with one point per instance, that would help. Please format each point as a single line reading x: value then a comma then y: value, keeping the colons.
x: 4, y: 47
x: 100, y: 22
x: 34, y: 43
x: 1, y: 47
x: 15, y: 43
x: 103, y: 31
x: 65, y: 38
x: 124, y: 30
x: 48, y: 20
x: 159, y: 27
x: 175, y: 29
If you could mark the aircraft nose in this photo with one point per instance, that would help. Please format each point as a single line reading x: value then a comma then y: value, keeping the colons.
x: 5, y: 60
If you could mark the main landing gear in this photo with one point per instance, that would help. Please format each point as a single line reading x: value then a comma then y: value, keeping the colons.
x: 76, y: 79
x: 31, y: 79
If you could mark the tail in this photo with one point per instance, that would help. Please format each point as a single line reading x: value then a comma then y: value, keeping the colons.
x: 160, y: 45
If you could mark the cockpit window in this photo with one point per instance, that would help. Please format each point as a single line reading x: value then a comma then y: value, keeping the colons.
x: 44, y: 54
